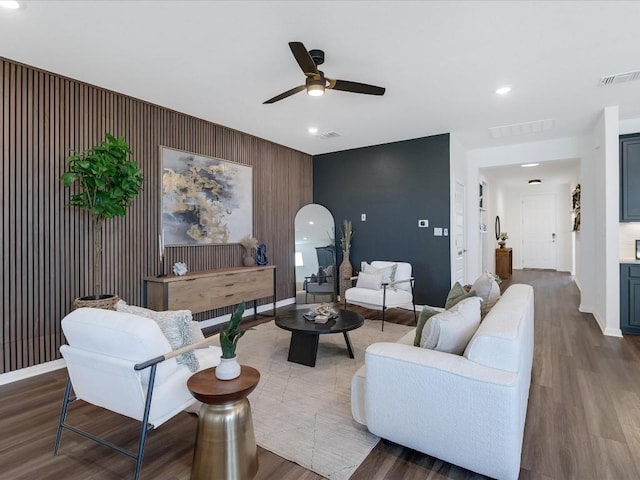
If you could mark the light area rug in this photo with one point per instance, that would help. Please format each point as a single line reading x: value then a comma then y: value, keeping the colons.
x: 304, y: 413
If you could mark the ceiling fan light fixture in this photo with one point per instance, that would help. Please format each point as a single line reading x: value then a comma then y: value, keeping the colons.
x: 315, y: 87
x: 535, y: 181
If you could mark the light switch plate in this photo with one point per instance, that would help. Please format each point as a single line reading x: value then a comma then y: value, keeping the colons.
x: 423, y: 223
x: 437, y: 232
x: 363, y: 217
x: 446, y: 232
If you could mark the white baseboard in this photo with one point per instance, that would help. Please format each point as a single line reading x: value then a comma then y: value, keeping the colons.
x: 28, y: 372
x: 612, y: 332
x: 609, y: 332
x: 248, y: 311
x: 577, y: 282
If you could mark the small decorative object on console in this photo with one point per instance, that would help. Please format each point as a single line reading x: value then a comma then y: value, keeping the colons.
x: 249, y: 244
x: 180, y: 268
x: 261, y: 255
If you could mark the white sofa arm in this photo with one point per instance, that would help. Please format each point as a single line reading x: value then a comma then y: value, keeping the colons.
x: 446, y: 406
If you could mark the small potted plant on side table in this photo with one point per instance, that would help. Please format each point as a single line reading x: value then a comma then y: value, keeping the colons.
x: 229, y: 368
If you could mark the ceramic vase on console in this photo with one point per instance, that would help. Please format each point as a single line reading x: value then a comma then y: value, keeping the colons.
x: 346, y: 270
x: 228, y: 369
x: 249, y: 260
x: 502, y: 243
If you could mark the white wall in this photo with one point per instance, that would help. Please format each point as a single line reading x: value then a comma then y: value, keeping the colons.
x: 630, y: 125
x: 598, y: 264
x: 457, y: 172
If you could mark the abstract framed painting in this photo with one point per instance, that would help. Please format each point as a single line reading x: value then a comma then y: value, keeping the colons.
x: 205, y: 200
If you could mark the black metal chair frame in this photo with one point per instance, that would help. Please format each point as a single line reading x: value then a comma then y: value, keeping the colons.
x: 137, y: 456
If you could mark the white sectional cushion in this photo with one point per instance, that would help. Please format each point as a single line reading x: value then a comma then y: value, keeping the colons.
x: 488, y: 289
x: 403, y: 272
x: 451, y: 330
x: 372, y: 281
x: 196, y: 332
x: 499, y: 341
x: 388, y: 273
x: 373, y: 298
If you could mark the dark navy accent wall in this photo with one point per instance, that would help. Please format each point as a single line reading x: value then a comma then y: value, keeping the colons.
x: 395, y: 185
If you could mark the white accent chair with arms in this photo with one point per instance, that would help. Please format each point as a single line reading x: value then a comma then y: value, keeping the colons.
x: 394, y: 294
x: 124, y: 363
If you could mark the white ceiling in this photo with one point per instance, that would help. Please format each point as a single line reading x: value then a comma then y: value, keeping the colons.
x: 439, y: 61
x: 551, y: 173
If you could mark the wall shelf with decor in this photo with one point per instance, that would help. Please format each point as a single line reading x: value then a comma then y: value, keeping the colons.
x: 483, y: 207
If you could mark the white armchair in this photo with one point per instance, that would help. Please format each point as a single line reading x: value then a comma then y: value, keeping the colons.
x: 387, y: 294
x: 124, y: 363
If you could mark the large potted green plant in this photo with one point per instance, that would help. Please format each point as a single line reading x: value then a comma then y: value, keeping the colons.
x: 229, y: 368
x: 105, y: 182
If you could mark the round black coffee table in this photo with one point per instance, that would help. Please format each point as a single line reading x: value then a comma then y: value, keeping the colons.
x: 305, y: 334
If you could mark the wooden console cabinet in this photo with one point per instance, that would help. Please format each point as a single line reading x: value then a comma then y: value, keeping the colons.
x: 211, y: 289
x: 504, y: 263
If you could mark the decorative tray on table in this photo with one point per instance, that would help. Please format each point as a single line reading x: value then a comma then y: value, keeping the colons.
x: 321, y: 314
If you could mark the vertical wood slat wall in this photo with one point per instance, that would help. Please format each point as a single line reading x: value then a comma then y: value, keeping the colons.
x: 45, y: 246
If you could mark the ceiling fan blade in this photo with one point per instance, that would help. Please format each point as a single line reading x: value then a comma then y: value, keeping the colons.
x: 286, y: 94
x: 355, y: 87
x: 303, y: 58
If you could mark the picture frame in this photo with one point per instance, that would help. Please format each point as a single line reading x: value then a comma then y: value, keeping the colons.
x: 205, y: 200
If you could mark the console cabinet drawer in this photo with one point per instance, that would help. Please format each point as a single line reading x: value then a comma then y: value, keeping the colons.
x: 204, y: 291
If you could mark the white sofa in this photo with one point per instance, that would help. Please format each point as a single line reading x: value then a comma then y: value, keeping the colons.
x: 468, y: 410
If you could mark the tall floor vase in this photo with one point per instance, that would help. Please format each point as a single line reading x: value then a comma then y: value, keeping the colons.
x: 346, y: 270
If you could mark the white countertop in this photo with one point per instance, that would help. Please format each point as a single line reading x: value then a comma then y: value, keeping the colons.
x: 629, y: 260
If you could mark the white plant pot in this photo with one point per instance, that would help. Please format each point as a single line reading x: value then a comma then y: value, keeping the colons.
x: 228, y: 369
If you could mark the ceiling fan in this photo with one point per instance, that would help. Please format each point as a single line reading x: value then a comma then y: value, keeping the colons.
x: 316, y: 82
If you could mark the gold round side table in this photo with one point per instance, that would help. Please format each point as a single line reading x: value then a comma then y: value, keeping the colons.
x: 225, y: 444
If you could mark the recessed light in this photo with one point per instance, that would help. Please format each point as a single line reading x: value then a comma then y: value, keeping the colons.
x: 535, y: 181
x: 312, y: 130
x: 503, y: 90
x: 310, y: 222
x: 526, y: 165
x: 10, y: 4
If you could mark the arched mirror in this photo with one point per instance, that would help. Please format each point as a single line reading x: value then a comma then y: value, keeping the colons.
x: 315, y: 255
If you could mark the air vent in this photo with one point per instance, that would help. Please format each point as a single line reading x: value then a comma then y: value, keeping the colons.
x: 536, y: 126
x: 327, y: 135
x: 620, y: 78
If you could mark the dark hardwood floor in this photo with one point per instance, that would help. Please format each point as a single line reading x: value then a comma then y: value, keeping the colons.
x: 583, y: 420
